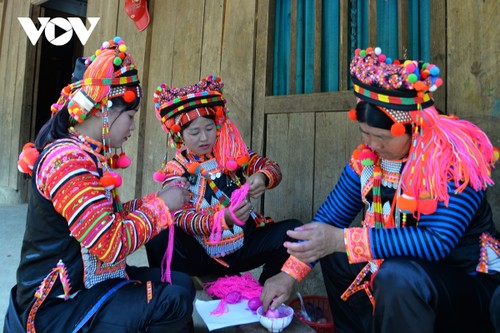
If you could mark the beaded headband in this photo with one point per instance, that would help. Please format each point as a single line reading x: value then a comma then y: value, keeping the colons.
x: 401, y: 85
x: 107, y: 74
x: 171, y: 103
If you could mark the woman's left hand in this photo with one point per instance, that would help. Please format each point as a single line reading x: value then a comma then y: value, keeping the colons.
x: 257, y: 183
x: 318, y: 240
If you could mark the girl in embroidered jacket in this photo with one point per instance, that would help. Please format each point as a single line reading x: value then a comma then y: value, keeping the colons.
x: 73, y: 274
x: 218, y: 232
x: 426, y: 258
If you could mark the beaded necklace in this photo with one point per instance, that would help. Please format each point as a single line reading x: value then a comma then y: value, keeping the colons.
x: 195, y: 168
x: 87, y: 141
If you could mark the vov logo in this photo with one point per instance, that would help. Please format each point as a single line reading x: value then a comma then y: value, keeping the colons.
x: 49, y: 26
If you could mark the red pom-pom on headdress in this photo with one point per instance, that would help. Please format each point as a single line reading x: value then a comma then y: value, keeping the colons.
x: 352, y: 115
x: 398, y: 129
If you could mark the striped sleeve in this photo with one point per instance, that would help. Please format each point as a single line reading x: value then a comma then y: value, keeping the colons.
x: 197, y: 223
x: 436, y: 234
x: 344, y: 202
x: 70, y: 180
x: 269, y: 168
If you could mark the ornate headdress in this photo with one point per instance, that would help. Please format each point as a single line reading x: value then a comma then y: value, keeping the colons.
x: 176, y: 107
x: 444, y: 148
x: 111, y: 72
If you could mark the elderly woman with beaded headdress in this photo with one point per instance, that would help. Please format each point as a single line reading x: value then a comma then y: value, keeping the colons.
x: 218, y: 233
x: 73, y: 274
x: 426, y: 258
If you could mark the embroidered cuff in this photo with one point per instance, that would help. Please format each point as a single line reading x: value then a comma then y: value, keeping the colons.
x: 271, y: 179
x: 296, y: 268
x: 163, y: 217
x: 357, y: 245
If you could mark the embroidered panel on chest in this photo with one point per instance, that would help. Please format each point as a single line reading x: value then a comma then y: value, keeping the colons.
x: 204, y: 195
x: 390, y: 176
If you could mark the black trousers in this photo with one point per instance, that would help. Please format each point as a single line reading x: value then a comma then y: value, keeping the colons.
x: 262, y: 246
x: 495, y: 309
x: 411, y: 296
x: 127, y: 310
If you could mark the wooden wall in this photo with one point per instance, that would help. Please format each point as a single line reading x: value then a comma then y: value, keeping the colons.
x: 13, y: 90
x: 473, y: 43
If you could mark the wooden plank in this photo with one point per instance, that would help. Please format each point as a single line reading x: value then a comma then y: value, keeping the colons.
x: 290, y: 142
x: 372, y: 23
x: 12, y: 65
x: 439, y: 45
x: 3, y: 7
x: 187, y: 35
x: 212, y: 37
x: 336, y: 136
x: 29, y: 109
x: 160, y: 70
x: 106, y: 27
x: 309, y: 102
x: 262, y: 79
x: 471, y: 79
x: 403, y: 26
x: 237, y: 66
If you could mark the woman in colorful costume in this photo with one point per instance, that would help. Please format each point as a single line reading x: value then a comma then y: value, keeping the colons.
x: 73, y: 274
x: 426, y: 258
x: 218, y: 232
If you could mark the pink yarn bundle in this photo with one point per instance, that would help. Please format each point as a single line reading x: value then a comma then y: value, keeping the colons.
x: 245, y: 285
x: 237, y: 197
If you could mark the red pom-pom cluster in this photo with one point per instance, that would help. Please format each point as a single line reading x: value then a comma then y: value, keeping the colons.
x: 110, y: 180
x: 352, y: 115
x: 27, y: 158
x: 398, y: 129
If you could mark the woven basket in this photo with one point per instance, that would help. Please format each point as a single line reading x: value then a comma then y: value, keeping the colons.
x: 316, y: 301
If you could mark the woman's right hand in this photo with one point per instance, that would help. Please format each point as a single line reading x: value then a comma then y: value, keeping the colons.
x: 174, y: 197
x: 242, y: 213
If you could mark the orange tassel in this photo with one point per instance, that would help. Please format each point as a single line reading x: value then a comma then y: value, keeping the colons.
x: 407, y: 203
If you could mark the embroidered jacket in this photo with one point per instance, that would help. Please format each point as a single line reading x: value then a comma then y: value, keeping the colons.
x: 197, y: 218
x: 451, y: 234
x: 72, y: 224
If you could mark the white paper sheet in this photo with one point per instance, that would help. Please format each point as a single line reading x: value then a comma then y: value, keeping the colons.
x: 238, y: 314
